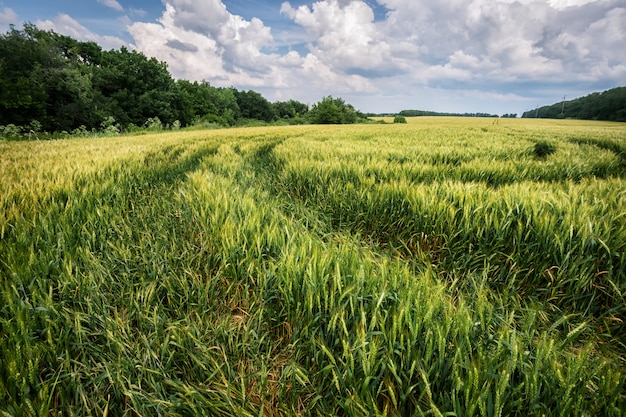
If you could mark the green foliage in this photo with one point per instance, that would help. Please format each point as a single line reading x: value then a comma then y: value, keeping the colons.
x: 332, y: 111
x: 81, y: 131
x: 23, y: 63
x: 203, y: 101
x: 290, y: 109
x: 109, y: 127
x: 253, y: 105
x: 66, y: 84
x: 72, y: 86
x: 416, y: 113
x: 10, y: 132
x: 399, y: 119
x: 153, y: 124
x: 136, y: 88
x: 608, y: 105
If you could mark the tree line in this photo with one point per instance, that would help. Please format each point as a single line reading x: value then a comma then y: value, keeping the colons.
x: 416, y: 113
x: 53, y: 83
x: 609, y: 105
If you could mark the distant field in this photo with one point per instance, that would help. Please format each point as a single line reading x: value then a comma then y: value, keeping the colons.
x: 447, y: 266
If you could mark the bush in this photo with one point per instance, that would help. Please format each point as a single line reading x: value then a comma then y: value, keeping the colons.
x: 399, y: 119
x: 153, y: 124
x: 80, y: 131
x: 109, y: 127
x: 9, y: 132
x: 332, y: 111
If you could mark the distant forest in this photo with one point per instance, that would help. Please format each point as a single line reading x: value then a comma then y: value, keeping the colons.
x: 54, y: 83
x: 609, y: 105
x: 414, y: 113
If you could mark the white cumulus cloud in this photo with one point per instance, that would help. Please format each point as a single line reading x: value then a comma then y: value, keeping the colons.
x: 113, y: 4
x: 397, y: 49
x: 343, y: 35
x: 512, y: 40
x: 66, y: 25
x: 7, y: 17
x: 201, y: 40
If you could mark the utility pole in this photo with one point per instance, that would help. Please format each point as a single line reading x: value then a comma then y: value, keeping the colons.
x: 563, y: 106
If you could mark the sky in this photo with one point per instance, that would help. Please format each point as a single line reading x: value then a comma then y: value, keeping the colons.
x: 492, y: 56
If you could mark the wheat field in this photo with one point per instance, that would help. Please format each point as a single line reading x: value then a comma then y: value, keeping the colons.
x: 446, y: 267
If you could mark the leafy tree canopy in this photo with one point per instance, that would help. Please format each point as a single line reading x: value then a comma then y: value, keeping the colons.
x: 333, y: 111
x: 609, y: 105
x: 254, y: 106
x: 53, y: 83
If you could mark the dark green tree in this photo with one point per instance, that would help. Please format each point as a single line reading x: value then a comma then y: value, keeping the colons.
x: 201, y: 101
x: 290, y: 109
x: 136, y: 87
x: 22, y: 90
x: 332, y: 111
x: 45, y: 80
x: 52, y: 82
x: 608, y: 105
x: 254, y: 106
x: 228, y: 106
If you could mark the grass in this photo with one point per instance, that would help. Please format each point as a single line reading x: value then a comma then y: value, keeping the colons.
x: 431, y: 268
